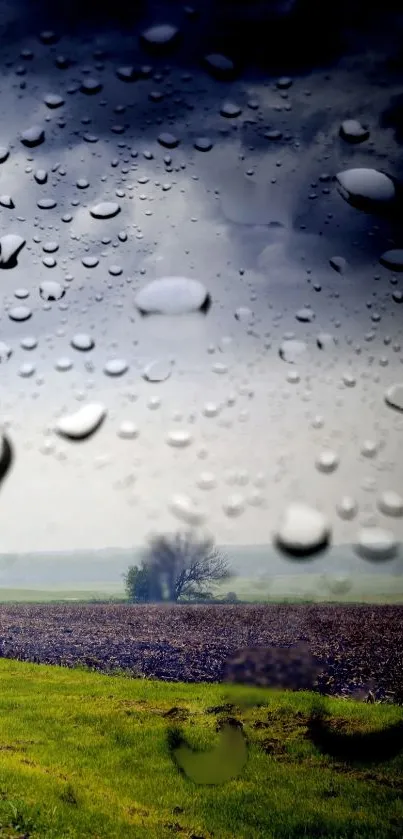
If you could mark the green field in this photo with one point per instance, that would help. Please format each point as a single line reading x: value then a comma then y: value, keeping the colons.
x: 86, y: 755
x: 33, y: 595
x: 317, y: 588
x: 292, y: 588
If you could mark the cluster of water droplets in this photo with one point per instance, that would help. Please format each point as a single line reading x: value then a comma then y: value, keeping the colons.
x: 93, y: 219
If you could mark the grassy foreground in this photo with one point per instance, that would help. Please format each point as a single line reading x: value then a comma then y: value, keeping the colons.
x: 86, y: 755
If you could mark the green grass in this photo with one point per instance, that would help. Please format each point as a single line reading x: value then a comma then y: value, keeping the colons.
x: 86, y: 755
x: 293, y: 588
x: 21, y: 595
x: 313, y: 588
x: 246, y: 593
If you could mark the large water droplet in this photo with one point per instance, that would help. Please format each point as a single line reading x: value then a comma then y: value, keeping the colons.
x: 303, y: 530
x: 116, y: 367
x: 171, y: 296
x: 51, y: 290
x: 157, y: 371
x: 82, y: 423
x: 179, y: 438
x: 374, y: 543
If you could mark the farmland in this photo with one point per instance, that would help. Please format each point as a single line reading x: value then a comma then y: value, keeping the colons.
x: 87, y: 753
x: 356, y: 645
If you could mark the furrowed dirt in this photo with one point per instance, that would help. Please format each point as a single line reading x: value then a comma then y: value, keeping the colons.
x: 357, y: 646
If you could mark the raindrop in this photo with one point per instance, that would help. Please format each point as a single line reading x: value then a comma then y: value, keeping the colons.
x: 172, y: 296
x: 63, y: 364
x: 206, y: 480
x: 47, y: 36
x: 393, y: 259
x: 220, y: 368
x: 223, y: 763
x: 82, y: 423
x: 179, y: 438
x: 325, y: 341
x: 128, y: 73
x: 394, y: 396
x: 390, y: 503
x: 7, y: 201
x: 106, y: 209
x: 369, y: 448
x: 29, y: 343
x: 62, y: 62
x: 10, y: 246
x: 338, y: 263
x: 160, y: 36
x: 26, y: 370
x: 5, y: 352
x: 375, y: 543
x: 255, y: 498
x: 284, y: 82
x: 116, y: 367
x: 327, y: 461
x: 157, y: 371
x: 244, y: 314
x: 349, y: 379
x: 186, y: 510
x: 234, y: 505
x: 303, y: 530
x: 51, y: 290
x: 47, y: 447
x: 273, y: 134
x: 115, y: 270
x: 20, y: 313
x: 338, y: 585
x: 49, y: 262
x: 33, y: 136
x: 53, y: 100
x: 305, y: 315
x: 128, y: 430
x: 230, y: 110
x: 219, y: 66
x: 352, y: 131
x: 203, y: 144
x: 82, y: 341
x: 318, y: 421
x: 46, y: 203
x: 210, y: 409
x: 91, y: 86
x: 90, y: 261
x: 365, y: 187
x: 168, y: 140
x: 347, y: 508
x: 290, y: 350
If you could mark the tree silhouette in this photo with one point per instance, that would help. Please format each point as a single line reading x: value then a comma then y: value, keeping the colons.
x: 141, y: 586
x: 185, y: 563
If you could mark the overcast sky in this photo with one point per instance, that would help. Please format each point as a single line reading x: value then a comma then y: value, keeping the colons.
x: 253, y: 221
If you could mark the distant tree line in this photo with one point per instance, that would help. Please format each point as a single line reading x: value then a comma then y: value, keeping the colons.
x: 178, y: 567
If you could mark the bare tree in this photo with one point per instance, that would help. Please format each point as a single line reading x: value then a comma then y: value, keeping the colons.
x: 186, y: 562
